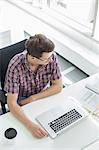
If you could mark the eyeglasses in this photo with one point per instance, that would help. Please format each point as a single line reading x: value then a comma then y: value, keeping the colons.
x: 44, y: 60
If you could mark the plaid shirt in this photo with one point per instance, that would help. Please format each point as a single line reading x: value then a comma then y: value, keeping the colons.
x: 24, y: 81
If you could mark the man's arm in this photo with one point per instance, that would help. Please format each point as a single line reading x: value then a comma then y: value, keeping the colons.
x: 17, y: 111
x: 56, y: 87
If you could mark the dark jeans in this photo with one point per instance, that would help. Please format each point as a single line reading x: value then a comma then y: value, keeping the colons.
x: 20, y: 98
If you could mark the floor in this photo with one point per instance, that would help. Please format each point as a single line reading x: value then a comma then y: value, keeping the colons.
x: 71, y: 74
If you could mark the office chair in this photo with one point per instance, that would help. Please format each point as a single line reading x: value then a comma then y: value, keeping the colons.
x: 6, y: 54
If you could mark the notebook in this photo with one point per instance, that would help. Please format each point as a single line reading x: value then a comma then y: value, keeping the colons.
x: 60, y: 118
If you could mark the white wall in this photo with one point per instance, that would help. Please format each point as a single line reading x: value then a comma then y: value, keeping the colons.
x: 96, y: 34
x: 75, y: 51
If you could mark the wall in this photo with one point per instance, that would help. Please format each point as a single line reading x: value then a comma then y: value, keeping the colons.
x: 75, y: 51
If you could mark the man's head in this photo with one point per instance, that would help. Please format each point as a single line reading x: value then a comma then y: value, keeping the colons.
x: 39, y: 49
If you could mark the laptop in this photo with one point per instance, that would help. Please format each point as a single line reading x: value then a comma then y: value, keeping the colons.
x: 62, y: 117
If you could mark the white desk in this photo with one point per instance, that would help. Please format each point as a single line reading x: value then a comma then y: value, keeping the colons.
x: 83, y: 131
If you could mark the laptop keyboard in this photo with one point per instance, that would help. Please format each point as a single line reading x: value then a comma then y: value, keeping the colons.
x: 65, y: 120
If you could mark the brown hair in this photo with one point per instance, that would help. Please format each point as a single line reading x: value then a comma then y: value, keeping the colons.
x: 38, y: 44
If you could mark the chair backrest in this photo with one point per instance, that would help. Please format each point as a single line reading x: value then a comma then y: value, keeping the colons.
x: 6, y: 54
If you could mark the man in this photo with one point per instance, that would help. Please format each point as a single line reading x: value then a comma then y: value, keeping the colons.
x: 27, y: 78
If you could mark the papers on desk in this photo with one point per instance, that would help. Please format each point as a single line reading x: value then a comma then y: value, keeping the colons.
x: 93, y: 85
x: 93, y: 101
x: 92, y: 104
x: 93, y: 146
x: 90, y: 98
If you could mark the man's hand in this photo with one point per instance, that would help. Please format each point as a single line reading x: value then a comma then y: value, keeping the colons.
x: 37, y: 131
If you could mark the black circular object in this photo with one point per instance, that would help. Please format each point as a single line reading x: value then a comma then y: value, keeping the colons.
x: 10, y: 133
